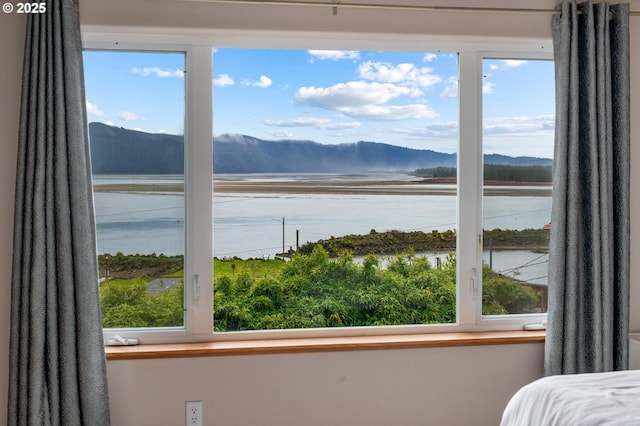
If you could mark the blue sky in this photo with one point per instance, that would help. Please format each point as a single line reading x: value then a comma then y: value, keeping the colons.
x: 401, y: 98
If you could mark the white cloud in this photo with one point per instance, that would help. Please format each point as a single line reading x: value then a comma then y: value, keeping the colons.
x: 521, y: 118
x: 503, y: 65
x: 512, y: 63
x: 487, y: 88
x: 223, y: 80
x: 499, y: 65
x: 318, y: 123
x: 390, y: 112
x: 364, y: 100
x: 158, y: 72
x: 343, y: 126
x: 521, y: 135
x: 428, y: 57
x: 441, y: 137
x: 334, y: 55
x: 451, y: 91
x: 350, y: 94
x: 517, y: 126
x: 405, y: 74
x: 155, y: 131
x: 517, y: 135
x: 263, y: 82
x: 298, y: 122
x: 92, y: 109
x: 520, y: 126
x: 128, y: 116
x: 447, y: 130
x: 281, y: 134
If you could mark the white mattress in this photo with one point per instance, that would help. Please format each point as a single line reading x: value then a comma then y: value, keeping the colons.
x: 578, y: 399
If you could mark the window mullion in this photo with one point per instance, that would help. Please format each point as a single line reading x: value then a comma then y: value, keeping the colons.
x: 198, y: 176
x: 469, y: 187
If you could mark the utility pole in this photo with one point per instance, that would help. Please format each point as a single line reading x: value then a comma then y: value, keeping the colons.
x: 491, y: 254
x: 282, y: 221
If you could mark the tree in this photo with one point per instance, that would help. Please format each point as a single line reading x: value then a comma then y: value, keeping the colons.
x: 505, y: 295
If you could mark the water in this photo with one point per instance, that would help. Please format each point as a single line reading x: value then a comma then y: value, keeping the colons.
x: 140, y: 223
x: 249, y: 224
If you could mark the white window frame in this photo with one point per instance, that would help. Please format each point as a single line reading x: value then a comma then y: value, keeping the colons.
x: 199, y: 154
x: 511, y: 321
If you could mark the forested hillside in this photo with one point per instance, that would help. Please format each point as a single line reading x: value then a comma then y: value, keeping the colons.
x: 115, y: 150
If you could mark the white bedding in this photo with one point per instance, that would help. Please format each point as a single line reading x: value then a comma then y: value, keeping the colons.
x: 578, y: 399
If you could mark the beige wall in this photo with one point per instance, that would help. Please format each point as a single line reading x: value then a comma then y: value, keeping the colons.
x: 202, y: 15
x: 447, y: 386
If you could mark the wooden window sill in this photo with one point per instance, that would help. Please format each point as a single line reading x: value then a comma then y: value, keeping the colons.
x: 331, y: 344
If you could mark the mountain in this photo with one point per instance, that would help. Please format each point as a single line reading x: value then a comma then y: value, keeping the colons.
x: 115, y: 150
x: 245, y: 154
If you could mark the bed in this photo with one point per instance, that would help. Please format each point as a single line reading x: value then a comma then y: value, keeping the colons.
x: 578, y: 399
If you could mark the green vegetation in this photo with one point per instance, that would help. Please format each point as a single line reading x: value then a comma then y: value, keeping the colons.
x: 316, y: 291
x: 140, y: 265
x: 496, y: 172
x: 437, y: 172
x: 257, y: 268
x: 390, y: 242
x: 313, y: 290
x: 393, y: 242
x: 505, y: 295
x: 510, y: 239
x: 126, y: 298
x: 128, y: 303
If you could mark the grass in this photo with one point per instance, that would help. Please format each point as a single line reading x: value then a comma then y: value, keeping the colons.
x: 256, y: 268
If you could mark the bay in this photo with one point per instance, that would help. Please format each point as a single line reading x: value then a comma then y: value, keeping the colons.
x: 140, y: 217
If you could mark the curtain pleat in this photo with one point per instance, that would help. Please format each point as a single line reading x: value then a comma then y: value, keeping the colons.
x: 588, y: 319
x: 57, y: 361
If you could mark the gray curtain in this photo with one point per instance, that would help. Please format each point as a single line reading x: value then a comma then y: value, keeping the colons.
x: 588, y: 319
x: 57, y: 362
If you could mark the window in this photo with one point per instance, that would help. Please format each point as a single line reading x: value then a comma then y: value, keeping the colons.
x: 137, y: 156
x: 516, y: 193
x: 328, y: 207
x: 347, y: 189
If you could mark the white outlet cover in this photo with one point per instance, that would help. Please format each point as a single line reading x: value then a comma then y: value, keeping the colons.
x: 193, y: 413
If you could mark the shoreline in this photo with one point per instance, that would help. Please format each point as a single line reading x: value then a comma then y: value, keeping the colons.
x: 346, y: 187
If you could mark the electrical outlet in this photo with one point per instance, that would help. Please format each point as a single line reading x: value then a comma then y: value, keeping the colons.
x: 194, y: 413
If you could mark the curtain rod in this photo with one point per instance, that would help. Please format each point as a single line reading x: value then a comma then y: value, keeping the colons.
x: 335, y: 5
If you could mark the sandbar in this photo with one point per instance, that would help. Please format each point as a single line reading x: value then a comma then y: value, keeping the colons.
x: 347, y: 187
